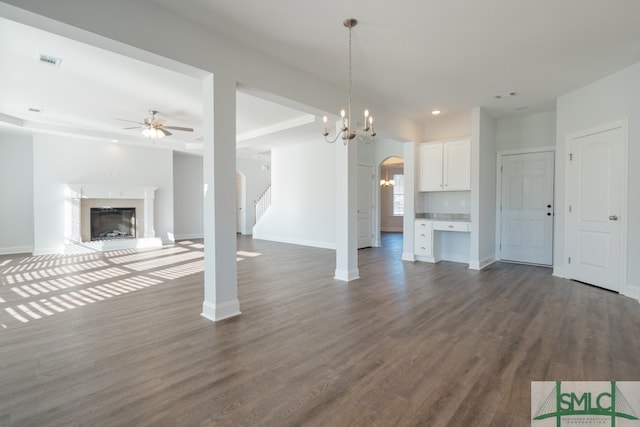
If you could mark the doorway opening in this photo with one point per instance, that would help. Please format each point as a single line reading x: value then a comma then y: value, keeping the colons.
x: 391, y: 196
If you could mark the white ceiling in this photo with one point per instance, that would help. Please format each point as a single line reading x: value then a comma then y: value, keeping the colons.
x: 414, y: 55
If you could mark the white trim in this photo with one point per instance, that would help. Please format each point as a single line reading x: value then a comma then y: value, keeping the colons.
x: 294, y: 241
x: 560, y: 272
x: 347, y: 275
x: 189, y: 236
x: 479, y: 265
x: 569, y: 138
x: 222, y: 311
x: 392, y: 229
x: 112, y: 245
x: 500, y: 155
x: 11, y: 250
x: 630, y: 291
x: 408, y: 256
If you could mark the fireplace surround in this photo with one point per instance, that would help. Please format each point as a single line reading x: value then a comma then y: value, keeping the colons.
x: 83, y: 198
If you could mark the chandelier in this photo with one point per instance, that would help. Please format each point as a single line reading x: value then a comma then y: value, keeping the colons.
x: 347, y: 132
x: 387, y: 182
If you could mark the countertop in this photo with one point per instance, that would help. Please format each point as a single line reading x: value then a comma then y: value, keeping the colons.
x: 444, y: 216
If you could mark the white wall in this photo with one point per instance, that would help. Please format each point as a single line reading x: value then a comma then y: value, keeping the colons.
x: 448, y: 126
x: 61, y: 160
x: 16, y: 193
x: 257, y: 176
x: 525, y: 132
x: 188, y: 206
x: 303, y: 200
x: 612, y: 98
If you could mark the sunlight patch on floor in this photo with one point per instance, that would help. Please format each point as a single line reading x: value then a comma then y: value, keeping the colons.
x: 38, y: 287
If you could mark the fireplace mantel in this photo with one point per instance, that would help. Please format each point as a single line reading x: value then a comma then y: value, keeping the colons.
x: 75, y: 193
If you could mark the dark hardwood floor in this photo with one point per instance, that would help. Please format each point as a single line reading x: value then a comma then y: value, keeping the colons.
x: 117, y: 339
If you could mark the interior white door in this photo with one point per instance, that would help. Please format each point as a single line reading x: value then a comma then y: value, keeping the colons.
x: 365, y: 206
x: 596, y: 195
x: 526, y: 217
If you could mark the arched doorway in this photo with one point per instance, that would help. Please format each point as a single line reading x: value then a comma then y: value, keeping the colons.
x: 391, y: 196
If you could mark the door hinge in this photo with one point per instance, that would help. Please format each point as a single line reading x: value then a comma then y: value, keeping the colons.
x: 570, y: 157
x: 569, y: 208
x: 569, y: 260
x: 500, y: 169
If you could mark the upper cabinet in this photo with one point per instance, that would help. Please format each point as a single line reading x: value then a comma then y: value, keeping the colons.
x: 445, y: 165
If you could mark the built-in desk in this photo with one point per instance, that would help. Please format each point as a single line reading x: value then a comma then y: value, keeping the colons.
x: 442, y: 237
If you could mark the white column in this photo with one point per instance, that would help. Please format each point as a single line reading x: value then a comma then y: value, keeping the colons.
x: 411, y: 172
x: 220, y: 268
x: 347, y: 211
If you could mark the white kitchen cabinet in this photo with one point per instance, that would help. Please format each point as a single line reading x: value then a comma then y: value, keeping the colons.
x: 436, y: 240
x: 423, y: 239
x: 445, y: 165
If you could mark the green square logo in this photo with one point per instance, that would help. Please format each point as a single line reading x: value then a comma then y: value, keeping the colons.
x: 585, y: 403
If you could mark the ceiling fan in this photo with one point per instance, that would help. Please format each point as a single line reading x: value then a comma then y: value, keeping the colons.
x: 154, y: 128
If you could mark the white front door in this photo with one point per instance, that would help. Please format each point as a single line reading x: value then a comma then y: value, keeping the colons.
x: 365, y: 205
x: 526, y: 217
x: 596, y: 196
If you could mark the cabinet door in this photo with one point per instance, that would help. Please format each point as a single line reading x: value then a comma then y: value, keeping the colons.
x: 423, y: 238
x: 430, y: 167
x: 457, y: 165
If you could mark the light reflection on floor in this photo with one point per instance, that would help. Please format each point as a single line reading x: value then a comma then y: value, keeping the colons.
x: 36, y: 287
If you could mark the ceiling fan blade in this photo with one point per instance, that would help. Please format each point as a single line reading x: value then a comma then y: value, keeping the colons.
x: 133, y: 127
x: 164, y: 131
x: 178, y: 128
x: 130, y: 121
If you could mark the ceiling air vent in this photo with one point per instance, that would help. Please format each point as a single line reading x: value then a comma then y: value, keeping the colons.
x: 50, y: 60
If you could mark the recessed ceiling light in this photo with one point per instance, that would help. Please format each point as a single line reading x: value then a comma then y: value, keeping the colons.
x: 35, y: 109
x: 435, y: 112
x: 115, y: 140
x: 506, y: 95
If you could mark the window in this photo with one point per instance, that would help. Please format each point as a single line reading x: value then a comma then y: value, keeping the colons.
x: 398, y: 195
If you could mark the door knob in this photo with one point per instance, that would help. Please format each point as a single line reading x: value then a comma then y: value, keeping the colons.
x: 613, y: 217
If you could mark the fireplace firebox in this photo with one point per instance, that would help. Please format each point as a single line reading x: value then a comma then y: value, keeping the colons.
x: 109, y: 223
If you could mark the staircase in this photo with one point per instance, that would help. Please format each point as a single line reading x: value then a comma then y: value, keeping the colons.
x: 262, y: 204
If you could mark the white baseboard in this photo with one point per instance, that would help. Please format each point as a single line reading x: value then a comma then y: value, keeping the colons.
x: 560, y: 272
x: 408, y: 256
x: 11, y: 250
x: 391, y: 229
x: 631, y: 291
x: 479, y: 265
x: 347, y: 275
x: 189, y: 236
x: 303, y: 242
x: 113, y: 245
x: 217, y: 312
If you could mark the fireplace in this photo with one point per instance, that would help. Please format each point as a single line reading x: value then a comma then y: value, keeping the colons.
x: 109, y: 223
x: 134, y: 228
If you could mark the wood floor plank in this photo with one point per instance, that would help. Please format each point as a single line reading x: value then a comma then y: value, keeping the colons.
x: 116, y: 339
